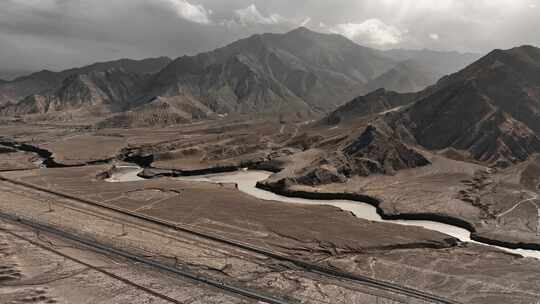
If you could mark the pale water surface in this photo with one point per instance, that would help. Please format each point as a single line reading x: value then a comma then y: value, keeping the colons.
x: 247, y: 180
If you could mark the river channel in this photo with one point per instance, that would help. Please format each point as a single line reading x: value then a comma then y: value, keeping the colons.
x: 246, y: 181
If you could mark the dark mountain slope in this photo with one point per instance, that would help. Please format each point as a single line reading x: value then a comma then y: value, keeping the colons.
x: 297, y: 71
x: 47, y: 81
x: 19, y: 88
x: 371, y: 104
x: 489, y: 110
x: 139, y: 67
x: 96, y: 92
x: 462, y: 118
x: 511, y: 79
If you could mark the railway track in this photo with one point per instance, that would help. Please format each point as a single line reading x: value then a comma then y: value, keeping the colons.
x: 95, y: 268
x: 102, y: 248
x: 169, y: 233
x: 321, y: 270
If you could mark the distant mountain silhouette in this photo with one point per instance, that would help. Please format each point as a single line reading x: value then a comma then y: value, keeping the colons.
x: 440, y: 63
x: 406, y: 76
x: 418, y: 69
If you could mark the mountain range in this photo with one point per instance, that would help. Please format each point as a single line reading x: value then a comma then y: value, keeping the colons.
x: 47, y: 81
x: 11, y: 74
x: 487, y: 112
x: 417, y: 69
x: 298, y: 73
x: 440, y: 62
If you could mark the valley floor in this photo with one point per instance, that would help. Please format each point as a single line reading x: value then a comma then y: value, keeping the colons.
x: 73, y: 195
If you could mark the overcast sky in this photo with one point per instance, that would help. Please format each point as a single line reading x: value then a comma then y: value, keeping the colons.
x: 57, y: 34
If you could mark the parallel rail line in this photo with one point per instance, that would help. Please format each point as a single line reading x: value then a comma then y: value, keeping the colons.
x: 116, y: 217
x: 95, y: 268
x: 383, y: 285
x: 98, y: 247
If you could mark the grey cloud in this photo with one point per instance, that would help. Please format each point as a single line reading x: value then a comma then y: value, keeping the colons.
x: 57, y: 34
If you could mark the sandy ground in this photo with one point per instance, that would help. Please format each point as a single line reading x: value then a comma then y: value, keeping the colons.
x: 18, y: 161
x: 81, y: 149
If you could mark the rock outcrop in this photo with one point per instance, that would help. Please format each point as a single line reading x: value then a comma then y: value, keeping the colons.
x: 377, y: 152
x: 374, y: 151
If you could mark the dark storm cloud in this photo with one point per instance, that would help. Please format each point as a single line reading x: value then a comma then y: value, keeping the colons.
x: 57, y: 34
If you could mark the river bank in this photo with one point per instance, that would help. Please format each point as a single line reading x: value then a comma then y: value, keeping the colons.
x: 248, y: 181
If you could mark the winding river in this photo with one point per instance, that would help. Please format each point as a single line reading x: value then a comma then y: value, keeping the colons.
x: 247, y: 180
